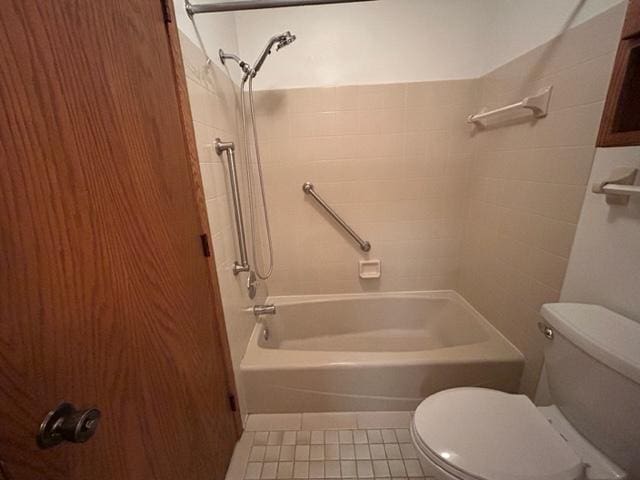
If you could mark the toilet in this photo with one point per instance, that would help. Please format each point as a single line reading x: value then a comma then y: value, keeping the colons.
x: 591, y: 429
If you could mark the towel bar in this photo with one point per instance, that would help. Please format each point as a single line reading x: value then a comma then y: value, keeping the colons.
x: 538, y: 104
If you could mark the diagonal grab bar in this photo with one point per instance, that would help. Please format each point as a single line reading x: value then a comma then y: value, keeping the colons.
x: 307, y: 188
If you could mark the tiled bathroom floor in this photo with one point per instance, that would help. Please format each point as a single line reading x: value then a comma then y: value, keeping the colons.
x: 371, y: 445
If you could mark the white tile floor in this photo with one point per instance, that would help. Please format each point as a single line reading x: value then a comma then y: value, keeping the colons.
x: 371, y: 445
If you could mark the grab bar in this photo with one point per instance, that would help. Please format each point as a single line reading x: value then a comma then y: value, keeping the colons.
x: 229, y: 149
x: 538, y: 104
x: 308, y: 188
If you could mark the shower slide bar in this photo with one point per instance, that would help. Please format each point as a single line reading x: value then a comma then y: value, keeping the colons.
x: 308, y: 188
x: 233, y: 6
x: 229, y: 149
x: 538, y: 104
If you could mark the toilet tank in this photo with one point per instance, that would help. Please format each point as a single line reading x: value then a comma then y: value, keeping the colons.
x: 592, y: 362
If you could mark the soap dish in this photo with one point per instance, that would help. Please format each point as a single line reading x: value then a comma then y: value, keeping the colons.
x: 370, y: 269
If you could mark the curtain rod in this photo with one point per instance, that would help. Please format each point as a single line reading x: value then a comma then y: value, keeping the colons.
x: 195, y: 9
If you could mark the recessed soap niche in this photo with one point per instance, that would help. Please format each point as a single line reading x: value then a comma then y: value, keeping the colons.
x: 370, y: 269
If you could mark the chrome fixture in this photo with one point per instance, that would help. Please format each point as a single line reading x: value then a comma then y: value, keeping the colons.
x: 538, y: 104
x: 264, y: 310
x: 246, y: 68
x: 229, y: 149
x: 279, y: 41
x: 252, y: 285
x: 232, y: 6
x: 309, y: 190
x: 546, y: 330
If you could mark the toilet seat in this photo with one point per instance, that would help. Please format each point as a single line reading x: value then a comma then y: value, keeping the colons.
x: 482, y: 434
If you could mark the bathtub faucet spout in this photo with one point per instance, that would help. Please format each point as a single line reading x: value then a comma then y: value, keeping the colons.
x: 264, y: 310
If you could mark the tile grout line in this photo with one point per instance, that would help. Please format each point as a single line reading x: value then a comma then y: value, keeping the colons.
x: 384, y: 456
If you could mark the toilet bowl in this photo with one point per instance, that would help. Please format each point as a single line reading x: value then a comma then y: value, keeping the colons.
x: 476, y: 433
x: 472, y: 433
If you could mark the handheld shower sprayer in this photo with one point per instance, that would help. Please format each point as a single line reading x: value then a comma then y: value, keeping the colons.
x: 250, y: 72
x: 280, y: 41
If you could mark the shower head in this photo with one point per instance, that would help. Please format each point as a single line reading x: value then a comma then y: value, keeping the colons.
x: 285, y: 39
x: 280, y: 41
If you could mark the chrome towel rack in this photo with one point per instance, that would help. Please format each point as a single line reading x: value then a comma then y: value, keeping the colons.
x: 229, y: 148
x: 308, y: 188
x: 538, y: 104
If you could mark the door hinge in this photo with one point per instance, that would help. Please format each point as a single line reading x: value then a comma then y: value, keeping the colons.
x: 232, y: 402
x: 206, y: 250
x: 166, y: 10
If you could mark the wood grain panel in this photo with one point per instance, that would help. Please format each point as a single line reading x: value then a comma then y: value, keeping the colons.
x: 105, y: 296
x: 620, y: 124
x: 198, y: 191
x: 631, y: 27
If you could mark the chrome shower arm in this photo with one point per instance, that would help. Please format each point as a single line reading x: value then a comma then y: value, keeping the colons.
x: 246, y: 68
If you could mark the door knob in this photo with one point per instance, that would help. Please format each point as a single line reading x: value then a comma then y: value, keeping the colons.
x: 66, y: 424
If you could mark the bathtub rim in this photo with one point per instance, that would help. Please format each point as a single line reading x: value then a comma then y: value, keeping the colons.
x: 497, y: 348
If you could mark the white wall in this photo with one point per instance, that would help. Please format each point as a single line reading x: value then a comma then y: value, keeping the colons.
x: 386, y: 41
x: 216, y: 30
x: 391, y: 41
x: 520, y: 25
x: 604, y: 266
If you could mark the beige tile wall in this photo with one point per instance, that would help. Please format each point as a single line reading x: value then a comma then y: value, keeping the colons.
x: 491, y: 213
x: 528, y: 181
x: 391, y: 159
x: 213, y: 98
x: 398, y: 160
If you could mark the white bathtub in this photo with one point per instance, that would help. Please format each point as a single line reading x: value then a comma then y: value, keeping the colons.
x: 372, y: 351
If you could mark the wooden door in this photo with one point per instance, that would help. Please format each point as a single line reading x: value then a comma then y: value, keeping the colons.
x: 105, y: 294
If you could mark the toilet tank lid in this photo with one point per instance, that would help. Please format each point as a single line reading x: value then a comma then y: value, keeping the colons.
x: 609, y: 337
